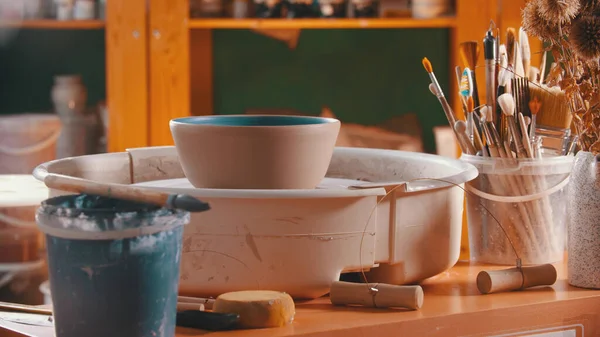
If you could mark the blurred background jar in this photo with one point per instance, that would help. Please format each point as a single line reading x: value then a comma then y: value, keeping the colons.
x: 271, y: 8
x: 333, y: 8
x: 84, y: 10
x: 303, y: 9
x: 207, y: 8
x: 365, y: 8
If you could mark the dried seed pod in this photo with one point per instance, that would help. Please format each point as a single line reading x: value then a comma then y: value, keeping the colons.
x: 595, y: 148
x: 536, y: 25
x: 589, y: 6
x: 585, y: 37
x: 559, y: 11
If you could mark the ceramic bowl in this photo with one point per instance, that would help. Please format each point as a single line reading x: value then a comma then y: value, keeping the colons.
x: 255, y: 151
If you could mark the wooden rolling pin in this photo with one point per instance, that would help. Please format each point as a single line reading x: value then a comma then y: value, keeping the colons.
x: 377, y: 295
x: 516, y: 278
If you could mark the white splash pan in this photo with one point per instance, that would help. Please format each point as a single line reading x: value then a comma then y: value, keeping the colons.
x: 299, y: 241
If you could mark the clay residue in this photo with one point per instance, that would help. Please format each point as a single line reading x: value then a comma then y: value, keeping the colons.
x: 250, y: 242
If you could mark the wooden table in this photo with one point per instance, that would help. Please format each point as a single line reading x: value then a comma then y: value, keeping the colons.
x: 453, y: 307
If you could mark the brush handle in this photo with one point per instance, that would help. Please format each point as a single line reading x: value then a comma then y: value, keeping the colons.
x: 126, y: 192
x: 447, y: 109
x: 512, y: 125
x: 532, y: 127
x: 525, y: 136
x: 463, y: 140
x: 498, y: 115
x: 490, y: 84
x: 516, y: 278
x: 33, y: 309
x: 385, y: 295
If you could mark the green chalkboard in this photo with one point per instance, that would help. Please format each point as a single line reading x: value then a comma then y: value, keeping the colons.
x: 30, y: 59
x: 365, y: 76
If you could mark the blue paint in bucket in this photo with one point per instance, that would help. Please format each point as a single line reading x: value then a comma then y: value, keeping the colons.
x: 113, y: 266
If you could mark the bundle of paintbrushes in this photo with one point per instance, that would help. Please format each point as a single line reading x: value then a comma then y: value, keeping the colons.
x: 520, y: 141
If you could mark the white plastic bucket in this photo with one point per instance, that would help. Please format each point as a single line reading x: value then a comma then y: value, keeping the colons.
x: 80, y: 135
x: 19, y: 282
x: 529, y: 199
x: 27, y: 140
x: 20, y: 239
x: 45, y: 290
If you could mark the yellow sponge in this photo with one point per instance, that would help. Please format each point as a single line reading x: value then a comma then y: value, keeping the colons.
x: 257, y: 308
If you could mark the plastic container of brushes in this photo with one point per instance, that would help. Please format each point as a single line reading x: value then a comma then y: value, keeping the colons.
x: 523, y: 201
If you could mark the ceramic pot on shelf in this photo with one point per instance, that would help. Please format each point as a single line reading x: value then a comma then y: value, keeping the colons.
x: 69, y: 95
x: 584, y: 225
x: 64, y: 9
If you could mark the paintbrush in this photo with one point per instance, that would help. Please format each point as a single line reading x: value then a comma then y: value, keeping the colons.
x: 489, y: 52
x: 510, y: 47
x: 125, y: 192
x: 469, y: 52
x: 458, y: 74
x: 534, y: 106
x: 553, y: 108
x: 507, y: 104
x: 534, y: 74
x: 437, y: 91
x: 466, y: 93
x: 525, y: 51
x: 543, y: 67
x: 499, y: 118
x: 463, y: 140
x: 524, y: 135
x: 518, y: 66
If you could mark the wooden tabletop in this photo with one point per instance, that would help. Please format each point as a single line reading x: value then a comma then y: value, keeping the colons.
x: 453, y: 307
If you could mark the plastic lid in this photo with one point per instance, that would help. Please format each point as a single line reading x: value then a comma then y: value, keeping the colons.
x: 17, y: 190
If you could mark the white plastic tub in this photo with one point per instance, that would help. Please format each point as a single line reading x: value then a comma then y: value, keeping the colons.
x: 299, y: 241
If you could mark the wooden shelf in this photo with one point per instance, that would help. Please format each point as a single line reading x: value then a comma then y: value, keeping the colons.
x: 53, y: 24
x: 446, y: 22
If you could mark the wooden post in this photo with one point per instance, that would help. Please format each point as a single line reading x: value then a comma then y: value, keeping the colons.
x: 126, y: 74
x: 169, y: 67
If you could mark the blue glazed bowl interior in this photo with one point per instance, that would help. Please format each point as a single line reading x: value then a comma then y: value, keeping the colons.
x: 253, y: 120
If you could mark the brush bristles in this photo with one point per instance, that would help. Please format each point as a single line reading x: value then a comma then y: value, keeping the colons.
x: 483, y: 113
x: 433, y: 89
x: 554, y: 110
x: 503, y: 77
x: 524, y: 42
x: 489, y: 114
x: 427, y: 65
x: 507, y: 104
x: 466, y: 87
x: 469, y: 52
x: 460, y: 126
x: 510, y: 44
x: 502, y: 56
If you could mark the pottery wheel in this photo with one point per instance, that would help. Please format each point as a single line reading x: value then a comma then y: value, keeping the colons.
x: 327, y: 183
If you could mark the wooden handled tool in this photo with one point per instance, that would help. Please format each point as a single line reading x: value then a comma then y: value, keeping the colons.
x: 126, y: 192
x: 376, y: 295
x: 516, y: 278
